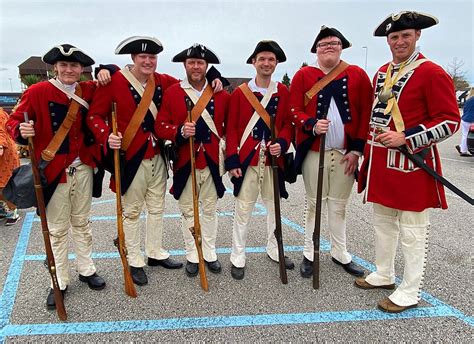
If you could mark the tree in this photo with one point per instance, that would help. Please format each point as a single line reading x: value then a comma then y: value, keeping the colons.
x: 286, y: 80
x: 30, y: 79
x: 456, y: 72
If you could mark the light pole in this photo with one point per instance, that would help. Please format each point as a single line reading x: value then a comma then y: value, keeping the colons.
x: 11, y: 87
x: 366, y: 53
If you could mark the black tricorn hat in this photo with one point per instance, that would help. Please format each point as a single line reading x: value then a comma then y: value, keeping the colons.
x: 271, y: 46
x: 405, y: 20
x: 67, y: 52
x: 139, y: 45
x: 327, y: 32
x: 197, y: 51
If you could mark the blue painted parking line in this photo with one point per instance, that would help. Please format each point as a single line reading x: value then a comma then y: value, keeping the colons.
x: 7, y: 299
x: 220, y: 322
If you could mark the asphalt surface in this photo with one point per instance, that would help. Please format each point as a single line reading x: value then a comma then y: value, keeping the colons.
x: 172, y: 307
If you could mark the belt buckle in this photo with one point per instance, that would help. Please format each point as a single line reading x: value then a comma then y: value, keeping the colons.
x: 71, y: 171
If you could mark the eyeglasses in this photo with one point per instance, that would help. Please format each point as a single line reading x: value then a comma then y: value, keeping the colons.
x: 327, y: 44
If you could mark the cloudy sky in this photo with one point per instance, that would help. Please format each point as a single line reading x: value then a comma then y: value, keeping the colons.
x: 231, y: 28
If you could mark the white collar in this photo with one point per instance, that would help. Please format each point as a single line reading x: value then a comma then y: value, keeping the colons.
x: 71, y: 88
x: 185, y: 84
x: 262, y: 90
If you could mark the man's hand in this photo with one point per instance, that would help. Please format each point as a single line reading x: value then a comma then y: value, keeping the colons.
x: 275, y: 149
x: 115, y: 141
x: 321, y: 126
x: 217, y: 85
x: 236, y: 172
x: 352, y: 161
x: 391, y: 139
x: 27, y: 129
x: 188, y: 129
x: 103, y: 77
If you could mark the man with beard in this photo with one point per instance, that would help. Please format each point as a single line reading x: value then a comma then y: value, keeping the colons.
x: 208, y: 130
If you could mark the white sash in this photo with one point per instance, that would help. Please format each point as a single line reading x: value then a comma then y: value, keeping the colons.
x: 255, y: 117
x: 139, y: 88
x: 212, y: 126
x: 72, y: 95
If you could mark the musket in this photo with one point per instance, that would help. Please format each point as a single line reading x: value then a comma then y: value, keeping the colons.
x: 58, y: 295
x: 196, y: 229
x: 319, y: 192
x: 120, y: 241
x: 276, y: 202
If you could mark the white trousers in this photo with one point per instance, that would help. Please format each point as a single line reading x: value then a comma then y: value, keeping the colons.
x: 70, y: 208
x: 257, y: 180
x: 337, y: 188
x: 207, y: 194
x: 413, y: 230
x: 464, y: 131
x: 148, y: 189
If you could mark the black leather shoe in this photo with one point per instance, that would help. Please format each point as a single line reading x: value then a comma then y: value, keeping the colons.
x: 167, y: 263
x: 306, y: 268
x: 95, y: 282
x: 350, y: 268
x: 50, y: 302
x: 289, y: 265
x: 237, y: 273
x: 192, y: 269
x: 138, y: 276
x: 214, y: 267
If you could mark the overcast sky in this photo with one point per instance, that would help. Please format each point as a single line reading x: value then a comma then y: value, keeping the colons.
x: 231, y: 28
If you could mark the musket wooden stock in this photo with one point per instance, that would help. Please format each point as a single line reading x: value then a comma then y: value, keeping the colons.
x: 276, y: 202
x: 120, y: 241
x: 58, y: 295
x: 196, y: 229
x: 319, y: 192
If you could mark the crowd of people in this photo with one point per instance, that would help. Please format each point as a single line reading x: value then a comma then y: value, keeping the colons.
x: 410, y: 104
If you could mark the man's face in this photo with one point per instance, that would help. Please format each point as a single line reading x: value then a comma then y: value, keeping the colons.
x: 329, y: 51
x: 403, y: 43
x: 265, y: 63
x: 195, y: 69
x: 145, y: 64
x: 68, y: 72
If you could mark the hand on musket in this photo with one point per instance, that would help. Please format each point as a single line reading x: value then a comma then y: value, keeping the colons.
x: 28, y: 132
x: 275, y: 149
x: 115, y: 140
x: 321, y: 130
x: 196, y: 229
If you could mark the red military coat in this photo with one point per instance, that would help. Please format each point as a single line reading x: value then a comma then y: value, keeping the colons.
x: 240, y: 113
x: 47, y: 107
x: 171, y: 118
x: 428, y: 106
x: 120, y: 91
x: 352, y: 93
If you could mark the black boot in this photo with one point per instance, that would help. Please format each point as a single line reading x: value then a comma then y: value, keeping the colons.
x: 95, y: 282
x: 237, y: 273
x: 306, y: 268
x: 138, y: 276
x: 50, y: 301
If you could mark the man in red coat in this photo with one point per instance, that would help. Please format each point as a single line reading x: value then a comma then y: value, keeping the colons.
x: 343, y: 93
x: 415, y: 108
x: 248, y: 146
x: 69, y: 174
x: 208, y: 130
x: 144, y: 172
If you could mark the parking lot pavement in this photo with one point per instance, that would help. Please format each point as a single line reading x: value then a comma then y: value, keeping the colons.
x: 172, y: 307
